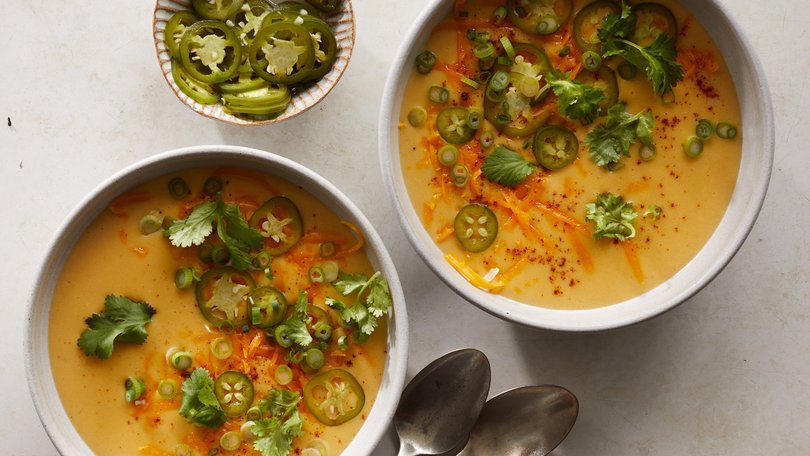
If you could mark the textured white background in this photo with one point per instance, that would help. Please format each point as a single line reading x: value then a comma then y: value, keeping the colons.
x: 728, y: 372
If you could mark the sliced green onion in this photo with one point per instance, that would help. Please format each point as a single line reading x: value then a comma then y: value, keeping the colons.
x: 283, y: 374
x: 460, y: 175
x: 261, y: 261
x: 204, y: 252
x: 668, y: 98
x: 493, y: 95
x: 167, y: 389
x: 726, y: 130
x: 472, y: 34
x: 500, y: 80
x: 507, y: 47
x: 417, y: 116
x: 330, y: 270
x: 220, y: 255
x: 704, y: 129
x: 425, y: 62
x: 282, y: 336
x: 221, y: 347
x: 627, y: 70
x: 499, y: 15
x: 322, y: 330
x: 486, y: 64
x: 327, y: 248
x: 230, y: 440
x: 503, y: 60
x: 133, y: 389
x: 487, y: 139
x: 654, y: 211
x: 181, y: 360
x: 184, y: 278
x: 316, y: 274
x: 591, y: 61
x: 483, y: 77
x: 150, y: 223
x: 438, y: 94
x: 547, y: 25
x: 502, y: 119
x: 529, y: 87
x: 693, y: 147
x: 484, y: 50
x: 178, y: 188
x: 448, y: 155
x: 167, y: 222
x: 343, y: 343
x: 475, y: 118
x: 181, y: 449
x: 255, y: 413
x: 482, y: 37
x: 314, y: 358
x: 564, y: 51
x: 646, y: 152
x: 469, y: 82
x: 212, y: 185
x: 246, y: 430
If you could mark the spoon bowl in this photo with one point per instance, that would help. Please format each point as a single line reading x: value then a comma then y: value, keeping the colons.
x: 531, y: 420
x: 441, y: 404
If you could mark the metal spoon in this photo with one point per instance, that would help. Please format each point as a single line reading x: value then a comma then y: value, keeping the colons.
x: 528, y: 421
x: 440, y: 405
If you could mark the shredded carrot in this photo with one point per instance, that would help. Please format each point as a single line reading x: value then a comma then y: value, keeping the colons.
x: 473, y: 277
x: 513, y: 270
x: 569, y: 220
x: 521, y: 217
x: 637, y: 186
x: 428, y: 209
x: 150, y: 450
x: 444, y: 233
x: 127, y: 198
x: 245, y: 174
x: 632, y: 258
x: 141, y: 251
x: 361, y: 241
x: 580, y: 249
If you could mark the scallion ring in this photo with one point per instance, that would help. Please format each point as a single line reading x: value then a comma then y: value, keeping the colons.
x: 221, y: 347
x: 693, y: 147
x: 283, y: 374
x: 254, y: 413
x: 508, y: 48
x: 591, y: 61
x: 417, y: 116
x: 316, y: 274
x: 487, y: 139
x: 178, y: 188
x: 133, y: 389
x: 460, y: 174
x: 627, y: 70
x: 475, y: 118
x: 547, y: 25
x: 483, y: 77
x: 282, y: 336
x: 425, y: 62
x: 472, y: 34
x: 470, y: 82
x: 726, y: 130
x: 212, y: 185
x: 499, y: 81
x: 246, y: 430
x: 448, y: 155
x: 150, y: 223
x: 322, y: 330
x: 499, y: 15
x: 328, y: 249
x: 331, y: 270
x: 647, y: 152
x: 438, y: 94
x: 220, y: 255
x: 484, y: 50
x: 261, y: 261
x: 181, y: 449
x: 704, y: 129
x: 167, y: 389
x: 230, y: 440
x: 184, y: 278
x: 180, y: 360
x: 529, y: 87
x: 314, y: 358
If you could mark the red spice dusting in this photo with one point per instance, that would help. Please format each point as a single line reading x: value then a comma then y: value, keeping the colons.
x: 706, y: 87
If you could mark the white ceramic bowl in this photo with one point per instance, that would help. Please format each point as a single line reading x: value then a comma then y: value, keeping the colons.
x: 38, y: 367
x: 746, y: 201
x: 342, y: 24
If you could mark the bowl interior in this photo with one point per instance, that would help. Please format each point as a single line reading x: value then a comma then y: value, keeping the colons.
x: 342, y: 24
x: 746, y: 200
x: 41, y: 384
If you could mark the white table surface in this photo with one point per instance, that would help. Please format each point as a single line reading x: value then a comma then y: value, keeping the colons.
x: 728, y: 372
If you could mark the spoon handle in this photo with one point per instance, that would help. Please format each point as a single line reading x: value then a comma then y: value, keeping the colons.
x: 405, y: 449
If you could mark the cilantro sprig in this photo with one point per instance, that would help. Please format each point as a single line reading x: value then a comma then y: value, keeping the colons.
x: 123, y: 320
x: 576, y: 100
x: 656, y: 60
x: 232, y: 228
x: 372, y: 302
x: 610, y: 141
x: 506, y: 167
x: 612, y: 216
x: 281, y: 423
x: 199, y: 404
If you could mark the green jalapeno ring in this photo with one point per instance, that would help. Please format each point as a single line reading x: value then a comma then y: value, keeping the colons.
x: 210, y: 51
x: 282, y: 53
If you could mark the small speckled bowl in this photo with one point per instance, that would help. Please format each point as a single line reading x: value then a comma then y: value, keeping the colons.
x: 342, y: 24
x: 746, y: 200
x: 38, y: 366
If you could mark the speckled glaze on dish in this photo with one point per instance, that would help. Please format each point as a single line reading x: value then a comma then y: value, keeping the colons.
x: 739, y: 218
x: 38, y: 367
x: 342, y: 25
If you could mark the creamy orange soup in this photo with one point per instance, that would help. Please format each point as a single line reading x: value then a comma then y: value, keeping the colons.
x: 114, y: 257
x: 545, y: 252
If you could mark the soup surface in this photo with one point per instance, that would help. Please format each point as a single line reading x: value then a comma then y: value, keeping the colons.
x: 289, y: 321
x: 556, y: 173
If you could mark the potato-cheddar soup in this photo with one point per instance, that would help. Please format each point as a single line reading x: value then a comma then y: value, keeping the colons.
x: 569, y: 154
x: 218, y: 311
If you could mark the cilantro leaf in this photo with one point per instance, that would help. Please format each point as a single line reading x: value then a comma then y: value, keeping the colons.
x: 372, y: 302
x: 656, y: 60
x: 610, y: 141
x: 298, y: 331
x: 506, y: 167
x: 274, y: 435
x: 576, y: 100
x: 122, y: 320
x: 199, y: 404
x: 612, y: 217
x: 232, y: 228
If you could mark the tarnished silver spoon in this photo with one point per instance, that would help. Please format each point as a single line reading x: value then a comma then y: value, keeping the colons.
x: 527, y: 421
x: 441, y: 404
